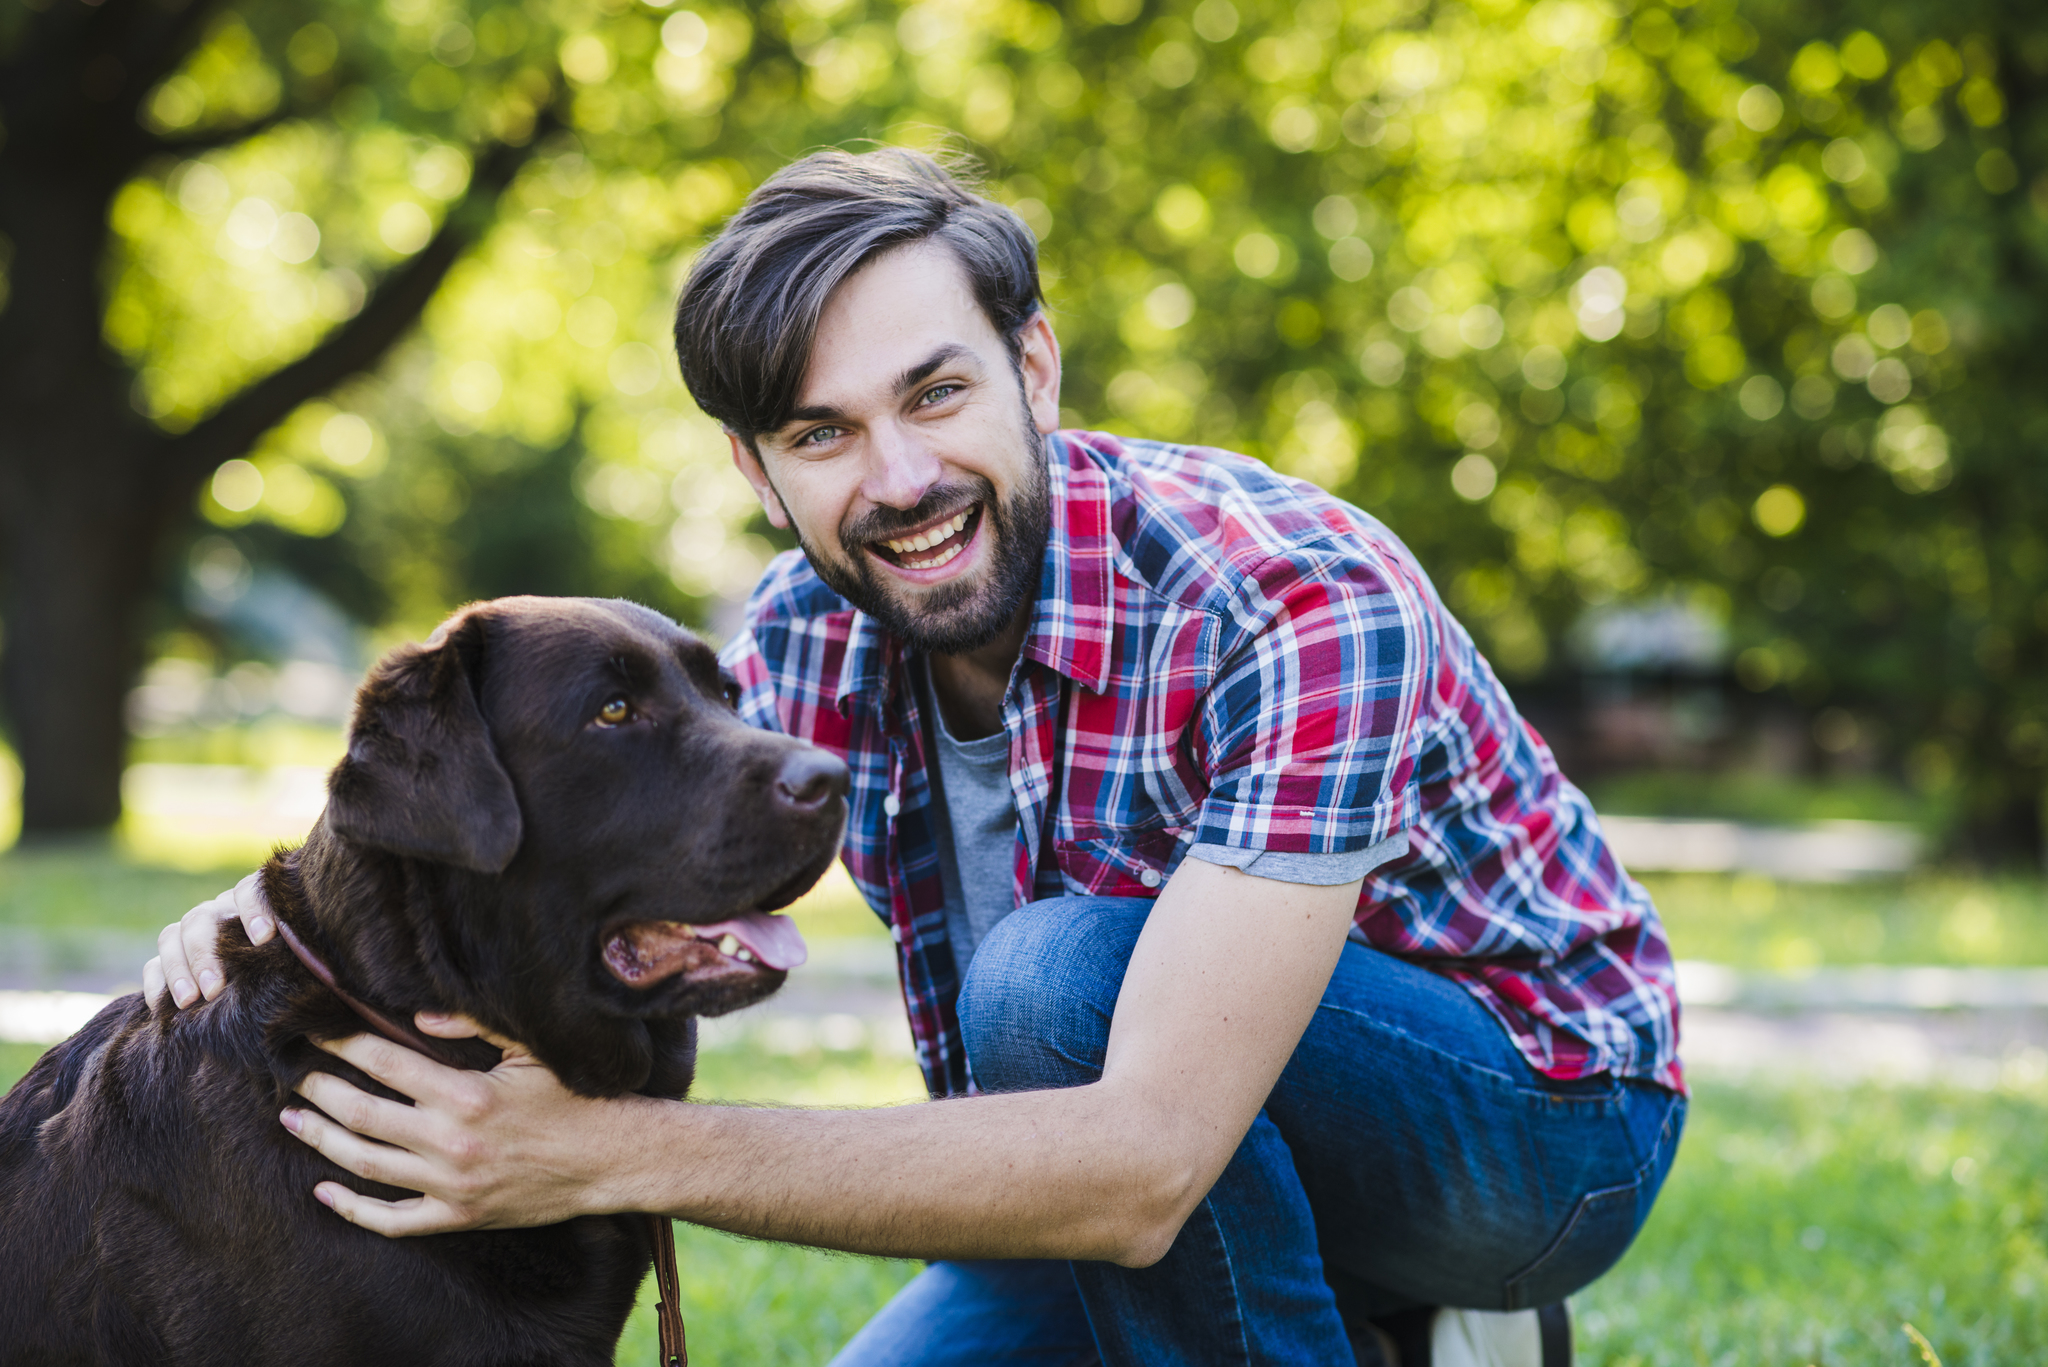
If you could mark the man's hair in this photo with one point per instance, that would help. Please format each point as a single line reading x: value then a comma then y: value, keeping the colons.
x: 749, y: 311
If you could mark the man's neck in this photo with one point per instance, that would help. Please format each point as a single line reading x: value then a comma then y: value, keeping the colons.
x: 969, y: 687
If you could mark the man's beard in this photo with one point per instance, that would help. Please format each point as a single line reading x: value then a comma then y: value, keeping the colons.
x: 958, y: 617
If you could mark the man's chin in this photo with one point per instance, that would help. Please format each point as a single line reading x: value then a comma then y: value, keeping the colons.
x: 949, y: 620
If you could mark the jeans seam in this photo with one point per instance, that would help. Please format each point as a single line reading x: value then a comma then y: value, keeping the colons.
x: 1244, y: 1347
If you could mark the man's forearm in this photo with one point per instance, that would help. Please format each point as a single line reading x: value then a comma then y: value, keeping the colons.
x: 1060, y: 1174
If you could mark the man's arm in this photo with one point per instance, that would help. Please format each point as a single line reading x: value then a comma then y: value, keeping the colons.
x: 1221, y: 985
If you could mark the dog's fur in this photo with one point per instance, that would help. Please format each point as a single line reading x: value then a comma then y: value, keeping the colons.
x: 481, y: 840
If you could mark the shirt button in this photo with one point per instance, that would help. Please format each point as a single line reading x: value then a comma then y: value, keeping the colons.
x: 891, y: 805
x: 1150, y: 878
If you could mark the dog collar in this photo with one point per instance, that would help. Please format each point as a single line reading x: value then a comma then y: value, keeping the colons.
x: 441, y: 1051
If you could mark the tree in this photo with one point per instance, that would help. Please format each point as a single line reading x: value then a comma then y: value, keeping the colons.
x: 90, y: 490
x: 1727, y: 300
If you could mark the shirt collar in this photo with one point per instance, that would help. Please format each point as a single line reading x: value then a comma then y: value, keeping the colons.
x: 1071, y: 625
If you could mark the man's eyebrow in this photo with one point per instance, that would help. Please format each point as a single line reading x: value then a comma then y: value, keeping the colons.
x: 916, y: 375
x: 907, y: 381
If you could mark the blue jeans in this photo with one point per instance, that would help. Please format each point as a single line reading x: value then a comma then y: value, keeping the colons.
x: 1408, y: 1156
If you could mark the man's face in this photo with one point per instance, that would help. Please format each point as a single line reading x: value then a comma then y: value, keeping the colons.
x: 914, y: 468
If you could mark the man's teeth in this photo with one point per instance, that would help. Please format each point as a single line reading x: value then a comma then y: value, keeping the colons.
x: 935, y: 561
x: 926, y: 540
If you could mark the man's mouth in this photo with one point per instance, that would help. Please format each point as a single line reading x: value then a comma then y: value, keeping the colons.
x: 647, y: 952
x: 933, y: 546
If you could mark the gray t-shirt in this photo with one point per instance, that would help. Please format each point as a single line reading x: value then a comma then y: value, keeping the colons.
x: 978, y: 836
x: 976, y: 815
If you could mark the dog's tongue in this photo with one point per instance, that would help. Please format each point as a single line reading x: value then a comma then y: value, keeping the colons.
x: 775, y: 940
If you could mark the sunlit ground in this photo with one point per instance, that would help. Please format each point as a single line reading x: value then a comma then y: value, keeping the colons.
x: 1801, y: 1224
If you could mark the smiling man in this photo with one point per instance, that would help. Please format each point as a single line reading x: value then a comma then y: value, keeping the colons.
x: 1277, y: 984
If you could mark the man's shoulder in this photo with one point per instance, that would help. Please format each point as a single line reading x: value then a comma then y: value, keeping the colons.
x: 790, y: 616
x: 1204, y: 525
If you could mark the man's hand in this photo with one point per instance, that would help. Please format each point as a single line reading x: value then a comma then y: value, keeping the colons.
x: 1106, y: 1171
x: 510, y: 1147
x: 186, y: 960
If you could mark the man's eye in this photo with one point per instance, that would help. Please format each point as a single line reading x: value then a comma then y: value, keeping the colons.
x: 615, y: 712
x: 818, y: 436
x: 939, y: 394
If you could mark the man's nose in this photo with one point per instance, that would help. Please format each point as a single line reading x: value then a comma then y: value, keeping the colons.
x: 901, y: 468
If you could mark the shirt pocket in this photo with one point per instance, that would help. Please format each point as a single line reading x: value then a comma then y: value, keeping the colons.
x: 1126, y: 864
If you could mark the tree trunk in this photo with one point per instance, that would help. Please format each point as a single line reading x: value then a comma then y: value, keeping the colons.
x: 77, y: 573
x: 81, y: 510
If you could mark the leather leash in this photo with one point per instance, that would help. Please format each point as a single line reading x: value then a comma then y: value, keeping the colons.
x: 668, y: 1311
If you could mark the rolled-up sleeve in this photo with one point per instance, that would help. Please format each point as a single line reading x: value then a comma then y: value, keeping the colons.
x: 1313, y: 724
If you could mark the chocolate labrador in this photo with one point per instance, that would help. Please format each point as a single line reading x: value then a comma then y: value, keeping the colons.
x: 551, y: 819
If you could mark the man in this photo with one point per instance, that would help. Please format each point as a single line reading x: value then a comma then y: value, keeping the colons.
x: 1281, y: 980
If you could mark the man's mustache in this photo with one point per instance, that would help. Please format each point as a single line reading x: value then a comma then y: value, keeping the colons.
x: 881, y: 523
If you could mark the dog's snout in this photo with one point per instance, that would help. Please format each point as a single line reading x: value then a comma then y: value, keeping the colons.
x: 809, y: 779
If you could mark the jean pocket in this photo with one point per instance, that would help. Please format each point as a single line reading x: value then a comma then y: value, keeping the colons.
x: 1601, y: 1227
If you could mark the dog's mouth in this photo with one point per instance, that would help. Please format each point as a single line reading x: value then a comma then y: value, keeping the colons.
x: 644, y: 953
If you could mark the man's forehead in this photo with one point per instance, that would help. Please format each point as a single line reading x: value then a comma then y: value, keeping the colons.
x: 895, y: 311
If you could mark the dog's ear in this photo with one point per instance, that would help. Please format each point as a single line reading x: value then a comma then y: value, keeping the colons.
x: 421, y: 778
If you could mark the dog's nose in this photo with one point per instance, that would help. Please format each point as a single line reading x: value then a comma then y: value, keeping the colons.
x: 810, y: 778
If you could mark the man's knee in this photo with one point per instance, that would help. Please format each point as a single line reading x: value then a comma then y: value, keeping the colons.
x: 1037, y: 1001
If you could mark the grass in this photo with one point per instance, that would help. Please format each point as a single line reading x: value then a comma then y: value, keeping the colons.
x: 1808, y: 1225
x: 1751, y: 922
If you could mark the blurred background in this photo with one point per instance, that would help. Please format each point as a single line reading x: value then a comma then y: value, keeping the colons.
x: 1694, y: 347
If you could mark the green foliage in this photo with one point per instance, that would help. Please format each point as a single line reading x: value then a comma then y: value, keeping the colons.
x: 1590, y: 302
x: 1769, y: 798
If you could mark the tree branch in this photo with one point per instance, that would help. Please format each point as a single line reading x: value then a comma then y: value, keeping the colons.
x: 357, y: 345
x: 206, y: 139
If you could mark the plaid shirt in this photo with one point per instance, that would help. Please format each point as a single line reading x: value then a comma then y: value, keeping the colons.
x: 1222, y: 655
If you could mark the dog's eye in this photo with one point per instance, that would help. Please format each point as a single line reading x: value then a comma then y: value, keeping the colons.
x: 732, y: 694
x: 614, y: 712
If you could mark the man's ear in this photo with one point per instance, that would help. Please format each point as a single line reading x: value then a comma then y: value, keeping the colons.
x: 421, y: 778
x: 1038, y: 364
x: 748, y: 461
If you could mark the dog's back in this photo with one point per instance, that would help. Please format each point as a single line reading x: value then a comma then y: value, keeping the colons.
x: 152, y: 1210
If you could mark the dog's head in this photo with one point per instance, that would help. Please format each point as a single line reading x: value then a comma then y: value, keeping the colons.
x: 607, y: 839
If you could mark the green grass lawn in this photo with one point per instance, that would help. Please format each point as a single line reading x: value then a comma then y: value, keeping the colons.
x: 1927, y: 918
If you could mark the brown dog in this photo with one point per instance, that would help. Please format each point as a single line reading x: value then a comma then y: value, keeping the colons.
x: 550, y: 819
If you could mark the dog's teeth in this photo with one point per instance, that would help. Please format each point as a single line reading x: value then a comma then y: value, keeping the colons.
x: 746, y: 954
x: 728, y: 943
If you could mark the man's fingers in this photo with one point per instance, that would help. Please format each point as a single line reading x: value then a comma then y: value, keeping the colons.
x: 197, y: 932
x: 451, y: 1025
x: 254, y: 909
x: 366, y: 1158
x: 413, y: 1074
x: 170, y: 952
x: 392, y: 1219
x: 391, y: 1122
